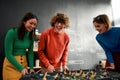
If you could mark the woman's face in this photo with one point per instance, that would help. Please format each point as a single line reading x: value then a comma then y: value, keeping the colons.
x: 30, y: 24
x: 100, y: 27
x: 59, y: 27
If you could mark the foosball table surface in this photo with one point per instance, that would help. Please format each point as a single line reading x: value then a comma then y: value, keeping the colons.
x: 75, y: 75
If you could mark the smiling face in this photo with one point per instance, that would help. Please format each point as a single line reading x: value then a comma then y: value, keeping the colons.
x: 59, y: 27
x: 30, y: 24
x: 100, y: 27
x: 102, y: 23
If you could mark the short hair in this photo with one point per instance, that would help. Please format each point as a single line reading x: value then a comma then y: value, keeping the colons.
x: 103, y: 18
x: 61, y: 18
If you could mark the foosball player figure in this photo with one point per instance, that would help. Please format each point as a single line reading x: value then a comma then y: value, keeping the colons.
x: 76, y: 74
x: 70, y: 73
x: 84, y: 75
x: 56, y: 76
x: 100, y: 65
x: 105, y: 73
x: 91, y: 72
x: 44, y: 77
x: 81, y: 71
x: 92, y: 76
x: 65, y: 72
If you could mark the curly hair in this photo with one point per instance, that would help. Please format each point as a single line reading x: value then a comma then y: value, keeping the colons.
x: 60, y: 18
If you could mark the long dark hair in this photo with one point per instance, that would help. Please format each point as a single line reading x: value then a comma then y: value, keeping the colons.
x: 22, y: 29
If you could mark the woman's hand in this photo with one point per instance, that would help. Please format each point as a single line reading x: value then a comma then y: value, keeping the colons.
x: 112, y: 66
x: 32, y: 71
x: 24, y: 71
x: 50, y: 68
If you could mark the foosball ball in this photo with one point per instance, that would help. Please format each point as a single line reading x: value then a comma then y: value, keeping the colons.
x: 101, y: 74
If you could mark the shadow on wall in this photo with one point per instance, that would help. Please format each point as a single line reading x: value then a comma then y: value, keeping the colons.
x: 1, y: 54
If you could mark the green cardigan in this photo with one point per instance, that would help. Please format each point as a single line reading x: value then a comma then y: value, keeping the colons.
x: 15, y: 47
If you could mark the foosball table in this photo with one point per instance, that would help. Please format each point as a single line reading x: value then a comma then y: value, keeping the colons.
x: 101, y: 74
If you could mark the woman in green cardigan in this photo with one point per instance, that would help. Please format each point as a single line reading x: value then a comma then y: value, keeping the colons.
x: 17, y: 40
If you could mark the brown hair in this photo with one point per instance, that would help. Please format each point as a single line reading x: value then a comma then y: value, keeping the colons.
x: 103, y: 18
x: 61, y: 18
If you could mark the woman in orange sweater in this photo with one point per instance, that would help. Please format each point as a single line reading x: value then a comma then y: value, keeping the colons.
x: 53, y: 45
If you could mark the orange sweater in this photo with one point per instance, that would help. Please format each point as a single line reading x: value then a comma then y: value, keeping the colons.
x: 53, y: 48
